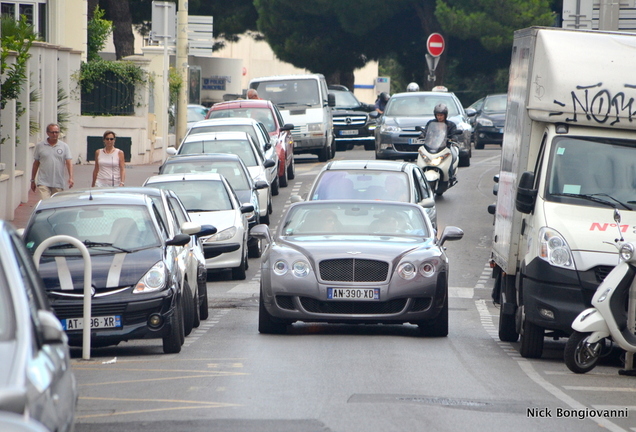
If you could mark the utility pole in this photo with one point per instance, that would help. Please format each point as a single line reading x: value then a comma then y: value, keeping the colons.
x: 182, y: 69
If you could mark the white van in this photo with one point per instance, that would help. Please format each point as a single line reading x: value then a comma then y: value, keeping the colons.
x: 305, y: 102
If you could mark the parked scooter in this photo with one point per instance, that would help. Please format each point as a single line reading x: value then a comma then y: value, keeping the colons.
x: 435, y: 157
x: 611, y: 317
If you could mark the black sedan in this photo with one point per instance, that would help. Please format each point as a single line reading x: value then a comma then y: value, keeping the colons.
x: 137, y: 279
x: 489, y: 120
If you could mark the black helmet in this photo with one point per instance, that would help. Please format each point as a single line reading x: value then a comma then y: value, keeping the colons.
x: 384, y: 96
x: 441, y: 109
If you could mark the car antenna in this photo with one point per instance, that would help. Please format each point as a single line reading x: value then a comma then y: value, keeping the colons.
x: 365, y: 164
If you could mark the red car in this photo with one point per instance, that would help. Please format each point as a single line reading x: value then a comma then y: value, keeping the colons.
x: 267, y: 113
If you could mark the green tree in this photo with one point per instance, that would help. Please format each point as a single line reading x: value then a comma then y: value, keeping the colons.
x: 98, y: 31
x: 17, y: 36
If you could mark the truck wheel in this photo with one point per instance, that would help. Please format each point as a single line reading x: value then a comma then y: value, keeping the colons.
x: 324, y: 153
x: 578, y: 355
x: 507, y: 324
x: 531, y: 340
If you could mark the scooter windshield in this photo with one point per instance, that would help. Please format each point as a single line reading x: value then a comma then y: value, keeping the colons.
x: 435, y: 139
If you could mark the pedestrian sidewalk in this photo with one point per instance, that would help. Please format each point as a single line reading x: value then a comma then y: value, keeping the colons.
x: 83, y: 176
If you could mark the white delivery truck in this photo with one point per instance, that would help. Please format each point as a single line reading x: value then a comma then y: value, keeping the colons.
x: 305, y: 102
x: 568, y: 161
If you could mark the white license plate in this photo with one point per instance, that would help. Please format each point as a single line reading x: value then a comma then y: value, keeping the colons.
x: 416, y: 141
x: 113, y: 321
x: 353, y: 293
x: 349, y: 132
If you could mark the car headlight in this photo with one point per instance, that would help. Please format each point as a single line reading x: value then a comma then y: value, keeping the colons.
x: 407, y: 270
x: 485, y: 122
x: 154, y: 279
x: 554, y: 249
x: 427, y: 269
x: 626, y: 251
x: 226, y: 234
x: 314, y: 127
x: 280, y: 267
x: 390, y: 129
x: 300, y: 268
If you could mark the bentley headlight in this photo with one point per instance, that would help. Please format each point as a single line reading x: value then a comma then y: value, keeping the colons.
x: 427, y: 269
x: 554, y: 249
x: 627, y: 251
x: 300, y: 268
x: 226, y: 234
x: 154, y: 279
x: 280, y: 267
x: 407, y: 270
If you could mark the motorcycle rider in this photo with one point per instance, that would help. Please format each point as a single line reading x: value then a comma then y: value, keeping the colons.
x: 412, y: 87
x: 441, y: 114
x: 381, y: 101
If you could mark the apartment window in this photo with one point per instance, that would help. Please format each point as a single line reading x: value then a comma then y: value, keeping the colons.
x: 34, y: 11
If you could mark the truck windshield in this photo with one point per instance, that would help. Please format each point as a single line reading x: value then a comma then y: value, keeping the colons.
x: 593, y: 172
x: 290, y: 92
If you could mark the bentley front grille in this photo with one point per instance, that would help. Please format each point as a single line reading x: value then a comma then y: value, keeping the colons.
x: 353, y: 270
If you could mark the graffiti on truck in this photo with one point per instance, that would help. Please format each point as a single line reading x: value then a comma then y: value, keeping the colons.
x: 599, y: 104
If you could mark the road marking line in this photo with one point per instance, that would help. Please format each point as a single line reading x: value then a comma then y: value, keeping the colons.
x: 601, y: 389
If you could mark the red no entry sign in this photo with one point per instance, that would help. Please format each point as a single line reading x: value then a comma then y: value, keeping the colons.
x: 435, y: 44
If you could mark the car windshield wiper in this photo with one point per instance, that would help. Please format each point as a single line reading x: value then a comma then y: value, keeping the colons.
x: 294, y: 103
x: 593, y: 197
x: 89, y: 243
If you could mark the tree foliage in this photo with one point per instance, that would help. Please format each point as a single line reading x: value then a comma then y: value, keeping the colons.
x: 98, y: 31
x: 17, y: 36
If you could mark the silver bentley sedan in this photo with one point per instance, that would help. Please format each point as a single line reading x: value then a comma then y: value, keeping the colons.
x: 355, y: 262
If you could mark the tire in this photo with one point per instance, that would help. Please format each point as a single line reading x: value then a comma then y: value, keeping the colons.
x: 238, y: 273
x: 282, y: 180
x: 265, y: 219
x: 275, y: 186
x: 172, y: 342
x: 204, y: 303
x: 464, y: 161
x: 507, y: 324
x: 291, y: 169
x: 579, y: 357
x: 266, y: 323
x: 188, y: 309
x: 479, y: 145
x: 324, y: 153
x: 341, y: 146
x: 370, y: 146
x: 437, y: 327
x: 196, y: 322
x: 531, y: 340
x: 254, y: 248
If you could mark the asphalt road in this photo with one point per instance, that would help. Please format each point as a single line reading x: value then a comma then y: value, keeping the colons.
x: 348, y: 378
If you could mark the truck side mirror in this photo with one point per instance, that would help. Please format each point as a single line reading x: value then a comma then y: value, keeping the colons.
x: 526, y: 196
x: 331, y: 100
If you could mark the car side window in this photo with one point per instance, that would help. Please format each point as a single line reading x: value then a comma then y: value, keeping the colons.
x: 177, y: 211
x: 161, y: 218
x: 279, y: 117
x: 420, y: 185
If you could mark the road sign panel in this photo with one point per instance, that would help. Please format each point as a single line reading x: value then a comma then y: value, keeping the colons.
x: 435, y: 44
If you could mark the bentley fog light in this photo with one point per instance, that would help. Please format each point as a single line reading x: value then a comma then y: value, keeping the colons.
x: 300, y: 268
x: 554, y: 249
x: 280, y: 267
x: 546, y: 313
x: 407, y: 271
x: 627, y: 251
x: 153, y: 280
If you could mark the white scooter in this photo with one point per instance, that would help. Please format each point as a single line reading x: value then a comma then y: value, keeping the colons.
x: 435, y: 158
x: 611, y: 316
